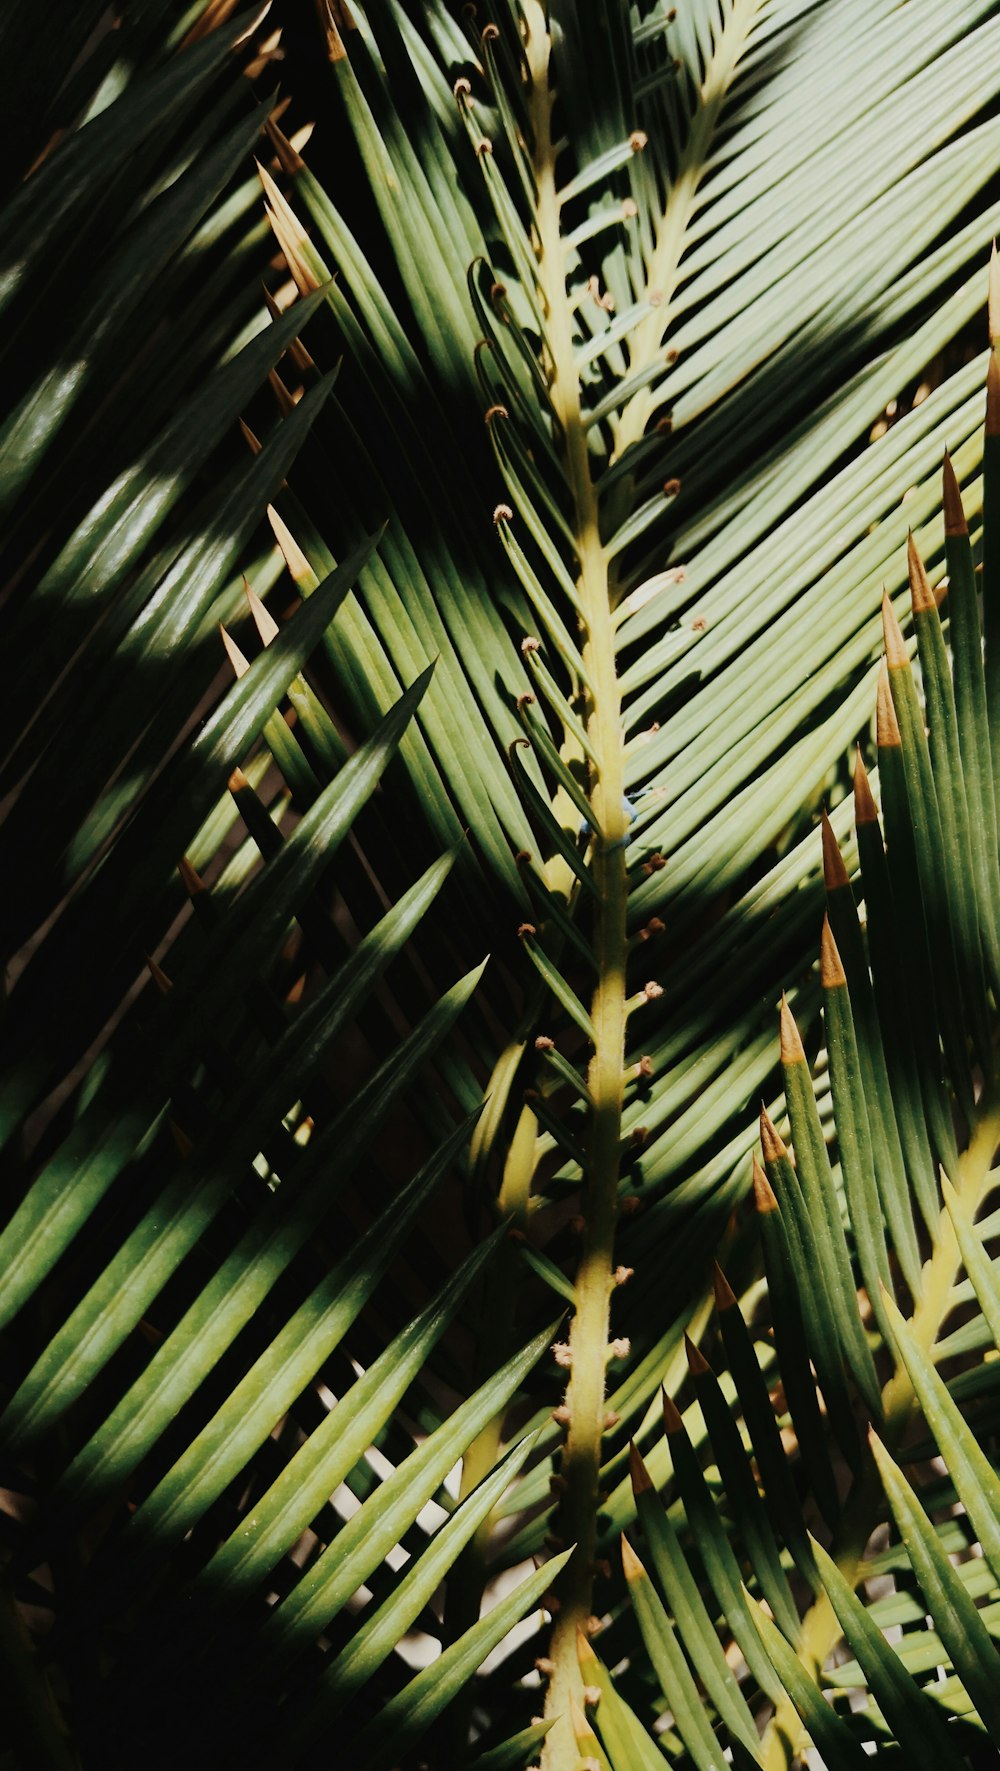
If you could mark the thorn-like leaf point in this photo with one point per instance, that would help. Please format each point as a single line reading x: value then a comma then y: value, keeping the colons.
x: 581, y: 1727
x: 672, y: 1422
x: 792, y: 1049
x: 921, y: 595
x: 697, y: 1363
x: 835, y: 874
x: 865, y: 809
x: 289, y: 233
x: 253, y: 442
x: 725, y: 1296
x: 584, y: 1653
x: 642, y: 1481
x: 240, y: 664
x: 993, y: 398
x: 290, y: 162
x: 954, y: 515
x: 993, y: 299
x: 895, y: 645
x: 887, y: 732
x: 291, y: 552
x: 159, y: 976
x: 285, y: 400
x: 632, y: 1568
x: 763, y: 1193
x: 190, y: 879
x: 772, y: 1143
x: 264, y: 621
x: 831, y: 972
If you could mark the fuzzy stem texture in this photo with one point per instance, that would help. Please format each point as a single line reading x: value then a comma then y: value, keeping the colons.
x: 589, y: 1332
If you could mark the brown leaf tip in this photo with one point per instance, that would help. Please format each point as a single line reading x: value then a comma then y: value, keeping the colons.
x: 190, y: 878
x: 263, y: 620
x: 921, y: 594
x: 993, y: 397
x: 895, y: 645
x: 584, y: 1652
x: 671, y: 1418
x: 772, y: 1143
x: 290, y: 161
x: 792, y: 1049
x: 887, y: 733
x: 697, y: 1363
x: 865, y: 809
x: 763, y: 1193
x: 725, y: 1297
x: 835, y: 874
x: 831, y: 971
x: 236, y: 658
x: 632, y: 1568
x: 158, y: 976
x: 642, y: 1481
x: 954, y: 515
x: 581, y: 1726
x: 993, y: 299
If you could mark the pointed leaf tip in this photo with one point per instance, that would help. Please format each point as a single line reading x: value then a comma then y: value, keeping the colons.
x: 239, y: 663
x: 763, y: 1194
x: 895, y: 645
x: 264, y: 621
x: 289, y: 159
x: 835, y: 874
x: 642, y: 1481
x: 671, y: 1418
x: 921, y: 594
x: 865, y: 809
x: 158, y: 976
x: 581, y: 1727
x: 831, y: 971
x: 725, y: 1297
x: 190, y: 878
x: 993, y: 398
x: 954, y: 514
x: 772, y: 1144
x: 887, y: 734
x: 792, y: 1049
x: 632, y: 1568
x: 584, y: 1652
x: 993, y: 298
x: 697, y: 1363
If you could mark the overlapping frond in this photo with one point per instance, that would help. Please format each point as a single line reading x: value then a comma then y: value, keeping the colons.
x: 794, y: 1510
x: 604, y: 365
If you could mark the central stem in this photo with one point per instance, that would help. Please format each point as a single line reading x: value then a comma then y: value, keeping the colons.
x: 588, y: 1338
